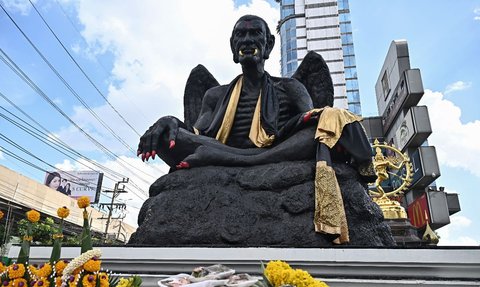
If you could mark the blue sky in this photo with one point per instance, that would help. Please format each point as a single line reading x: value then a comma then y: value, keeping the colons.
x: 139, y: 57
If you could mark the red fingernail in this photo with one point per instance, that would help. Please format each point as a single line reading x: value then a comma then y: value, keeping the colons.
x: 154, y: 153
x: 143, y: 157
x: 183, y: 164
x: 138, y: 152
x: 172, y: 144
x: 306, y: 117
x: 147, y: 156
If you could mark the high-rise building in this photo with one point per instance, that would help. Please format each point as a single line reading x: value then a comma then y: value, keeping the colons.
x: 322, y: 26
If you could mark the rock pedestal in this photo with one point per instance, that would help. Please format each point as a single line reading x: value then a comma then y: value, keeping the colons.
x: 268, y: 205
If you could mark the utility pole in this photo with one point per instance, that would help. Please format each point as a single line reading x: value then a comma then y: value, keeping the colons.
x: 119, y: 188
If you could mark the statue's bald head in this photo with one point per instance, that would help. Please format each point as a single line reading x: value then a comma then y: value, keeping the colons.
x: 252, y: 23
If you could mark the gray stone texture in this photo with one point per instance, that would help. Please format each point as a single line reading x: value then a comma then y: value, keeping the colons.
x: 267, y: 205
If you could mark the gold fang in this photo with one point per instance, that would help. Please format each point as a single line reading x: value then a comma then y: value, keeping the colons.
x: 255, y: 52
x: 240, y: 53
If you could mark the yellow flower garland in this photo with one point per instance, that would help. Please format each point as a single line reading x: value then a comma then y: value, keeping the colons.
x: 42, y: 282
x: 280, y: 273
x: 92, y: 265
x: 59, y: 266
x: 103, y: 279
x: 16, y: 271
x: 20, y: 282
x: 89, y: 280
x: 33, y: 216
x: 44, y: 271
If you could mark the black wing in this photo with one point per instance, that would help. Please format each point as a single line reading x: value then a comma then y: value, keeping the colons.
x: 314, y: 74
x: 199, y: 81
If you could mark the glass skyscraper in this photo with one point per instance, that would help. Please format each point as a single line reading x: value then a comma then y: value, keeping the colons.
x: 322, y: 26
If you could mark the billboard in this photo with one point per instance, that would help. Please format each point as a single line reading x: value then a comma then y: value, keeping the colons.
x: 76, y: 183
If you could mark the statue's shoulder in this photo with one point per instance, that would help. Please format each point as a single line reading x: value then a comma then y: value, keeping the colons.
x: 289, y: 85
x: 285, y: 82
x: 215, y: 92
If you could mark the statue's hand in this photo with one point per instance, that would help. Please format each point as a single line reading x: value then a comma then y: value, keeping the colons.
x: 161, y: 133
x: 311, y: 115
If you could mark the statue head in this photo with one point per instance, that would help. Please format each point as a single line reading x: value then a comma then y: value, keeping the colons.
x: 251, y: 40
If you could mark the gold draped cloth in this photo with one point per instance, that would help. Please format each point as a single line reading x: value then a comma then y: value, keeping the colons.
x: 329, y: 214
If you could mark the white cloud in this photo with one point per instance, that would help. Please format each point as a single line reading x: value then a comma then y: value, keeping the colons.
x: 476, y: 11
x: 21, y: 6
x: 455, y: 142
x: 155, y: 46
x: 1, y: 154
x: 457, y: 86
x: 451, y: 234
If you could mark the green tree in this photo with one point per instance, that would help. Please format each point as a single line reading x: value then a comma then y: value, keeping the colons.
x: 42, y: 231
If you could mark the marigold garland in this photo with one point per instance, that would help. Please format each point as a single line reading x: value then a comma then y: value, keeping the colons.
x: 7, y: 283
x: 78, y: 262
x: 89, y: 280
x: 1, y: 214
x: 33, y: 216
x: 280, y: 273
x: 20, y: 282
x: 2, y: 267
x: 103, y: 279
x: 58, y: 281
x: 16, y: 271
x: 63, y: 212
x: 92, y: 265
x: 42, y: 282
x: 83, y: 201
x: 60, y: 265
x: 44, y: 271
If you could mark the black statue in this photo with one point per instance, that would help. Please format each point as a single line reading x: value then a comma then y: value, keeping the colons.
x: 258, y: 119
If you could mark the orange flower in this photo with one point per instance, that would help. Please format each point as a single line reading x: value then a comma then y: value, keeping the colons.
x: 42, y: 282
x: 103, y: 279
x: 1, y: 214
x: 58, y: 281
x: 60, y: 265
x: 33, y: 216
x: 92, y: 265
x: 83, y: 201
x: 2, y: 267
x: 6, y: 283
x: 16, y: 271
x: 44, y: 270
x: 73, y: 280
x: 63, y: 212
x: 20, y: 282
x: 89, y: 280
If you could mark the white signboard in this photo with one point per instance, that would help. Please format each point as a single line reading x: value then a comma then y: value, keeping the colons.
x: 76, y: 183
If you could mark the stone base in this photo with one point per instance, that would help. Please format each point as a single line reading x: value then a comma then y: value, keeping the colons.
x: 338, y: 267
x: 404, y: 233
x: 269, y: 205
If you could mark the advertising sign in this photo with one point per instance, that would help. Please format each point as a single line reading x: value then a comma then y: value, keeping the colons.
x: 76, y: 183
x: 418, y: 211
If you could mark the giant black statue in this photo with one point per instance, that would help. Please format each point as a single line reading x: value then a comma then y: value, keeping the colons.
x: 258, y: 120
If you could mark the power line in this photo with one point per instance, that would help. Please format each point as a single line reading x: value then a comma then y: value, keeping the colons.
x: 81, y: 69
x: 38, y: 135
x: 93, y: 113
x: 25, y: 78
